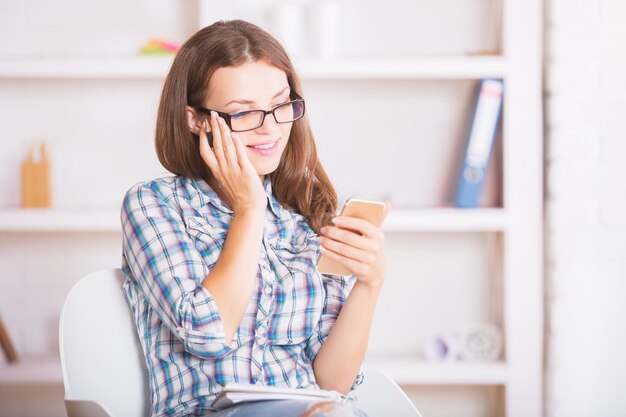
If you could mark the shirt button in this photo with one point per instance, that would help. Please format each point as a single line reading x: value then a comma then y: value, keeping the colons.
x: 261, y: 340
x: 268, y: 290
x: 181, y: 332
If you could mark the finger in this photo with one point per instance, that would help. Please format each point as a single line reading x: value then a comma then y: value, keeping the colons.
x: 217, y: 141
x: 240, y: 149
x: 317, y: 409
x: 205, y: 150
x: 360, y: 225
x: 348, y: 251
x: 227, y: 143
x: 354, y: 238
x: 355, y: 267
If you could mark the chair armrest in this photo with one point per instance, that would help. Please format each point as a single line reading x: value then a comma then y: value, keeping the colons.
x: 85, y: 408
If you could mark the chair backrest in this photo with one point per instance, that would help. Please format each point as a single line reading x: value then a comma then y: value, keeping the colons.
x: 380, y: 396
x: 103, y: 363
x: 101, y: 358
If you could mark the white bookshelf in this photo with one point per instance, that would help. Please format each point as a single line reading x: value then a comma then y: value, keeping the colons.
x: 135, y: 67
x: 156, y: 67
x: 405, y: 371
x: 517, y: 222
x: 401, y: 220
x: 404, y: 68
x: 413, y: 371
x: 59, y: 220
x: 446, y: 220
x: 42, y: 370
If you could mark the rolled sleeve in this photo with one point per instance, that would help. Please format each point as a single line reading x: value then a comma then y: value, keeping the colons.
x: 359, y: 378
x: 337, y: 289
x: 168, y: 269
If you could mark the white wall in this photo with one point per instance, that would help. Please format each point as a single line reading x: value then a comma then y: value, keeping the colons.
x: 586, y: 208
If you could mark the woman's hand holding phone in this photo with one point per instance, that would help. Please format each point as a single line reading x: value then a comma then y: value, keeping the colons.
x: 358, y: 245
x: 231, y: 167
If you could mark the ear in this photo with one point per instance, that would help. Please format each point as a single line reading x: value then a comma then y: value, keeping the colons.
x: 194, y: 121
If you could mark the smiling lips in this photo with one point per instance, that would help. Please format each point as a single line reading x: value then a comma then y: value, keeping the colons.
x: 265, y: 149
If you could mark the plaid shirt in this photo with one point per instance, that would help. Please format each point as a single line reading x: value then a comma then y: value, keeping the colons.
x: 173, y: 232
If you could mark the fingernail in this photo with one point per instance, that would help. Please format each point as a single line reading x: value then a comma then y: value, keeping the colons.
x: 323, y: 229
x: 213, y: 114
x: 336, y: 220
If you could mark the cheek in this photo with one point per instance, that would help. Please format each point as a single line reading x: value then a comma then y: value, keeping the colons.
x: 285, y: 131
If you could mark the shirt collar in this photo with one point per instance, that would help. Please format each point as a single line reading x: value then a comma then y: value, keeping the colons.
x: 273, y: 201
x: 206, y: 195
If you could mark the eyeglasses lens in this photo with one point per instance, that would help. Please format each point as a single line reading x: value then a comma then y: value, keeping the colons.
x: 284, y: 113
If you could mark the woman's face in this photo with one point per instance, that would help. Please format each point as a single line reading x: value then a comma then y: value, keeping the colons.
x: 254, y: 86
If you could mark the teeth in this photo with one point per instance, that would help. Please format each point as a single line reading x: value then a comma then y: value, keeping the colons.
x: 267, y: 146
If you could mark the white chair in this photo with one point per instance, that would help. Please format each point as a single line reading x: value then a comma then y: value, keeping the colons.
x: 103, y: 365
x: 102, y: 362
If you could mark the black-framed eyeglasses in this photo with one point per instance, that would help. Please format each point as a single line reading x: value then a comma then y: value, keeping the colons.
x: 252, y: 119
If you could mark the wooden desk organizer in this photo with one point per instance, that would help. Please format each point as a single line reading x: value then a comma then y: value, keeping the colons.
x: 36, y: 178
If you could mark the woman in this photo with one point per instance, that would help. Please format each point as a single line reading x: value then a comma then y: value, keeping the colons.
x: 220, y: 259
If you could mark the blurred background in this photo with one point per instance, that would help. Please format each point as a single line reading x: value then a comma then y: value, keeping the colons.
x: 534, y: 271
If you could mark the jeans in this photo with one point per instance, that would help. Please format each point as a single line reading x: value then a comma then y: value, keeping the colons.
x: 291, y: 408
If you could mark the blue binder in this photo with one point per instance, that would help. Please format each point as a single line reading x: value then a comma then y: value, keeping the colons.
x: 479, y: 143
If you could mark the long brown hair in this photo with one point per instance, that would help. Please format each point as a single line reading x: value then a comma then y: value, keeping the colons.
x: 300, y: 182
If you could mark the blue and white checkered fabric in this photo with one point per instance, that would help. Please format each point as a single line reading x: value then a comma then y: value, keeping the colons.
x: 173, y: 232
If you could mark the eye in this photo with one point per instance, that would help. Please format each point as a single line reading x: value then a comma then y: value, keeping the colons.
x: 240, y: 115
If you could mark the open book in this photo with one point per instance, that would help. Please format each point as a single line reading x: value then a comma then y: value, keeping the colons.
x: 233, y: 394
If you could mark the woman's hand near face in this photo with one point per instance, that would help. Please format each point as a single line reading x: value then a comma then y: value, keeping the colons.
x: 231, y: 281
x: 359, y: 246
x: 229, y: 163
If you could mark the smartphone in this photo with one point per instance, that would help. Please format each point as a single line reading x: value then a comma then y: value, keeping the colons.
x: 372, y: 211
x: 209, y: 134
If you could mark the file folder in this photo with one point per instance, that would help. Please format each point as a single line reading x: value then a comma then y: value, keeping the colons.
x: 479, y: 143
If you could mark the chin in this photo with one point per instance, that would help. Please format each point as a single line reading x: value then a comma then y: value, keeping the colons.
x: 266, y: 168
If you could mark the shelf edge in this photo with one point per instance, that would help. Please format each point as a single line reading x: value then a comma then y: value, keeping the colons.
x: 151, y: 68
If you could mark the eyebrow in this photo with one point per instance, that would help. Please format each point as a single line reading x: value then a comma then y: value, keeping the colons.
x: 250, y: 101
